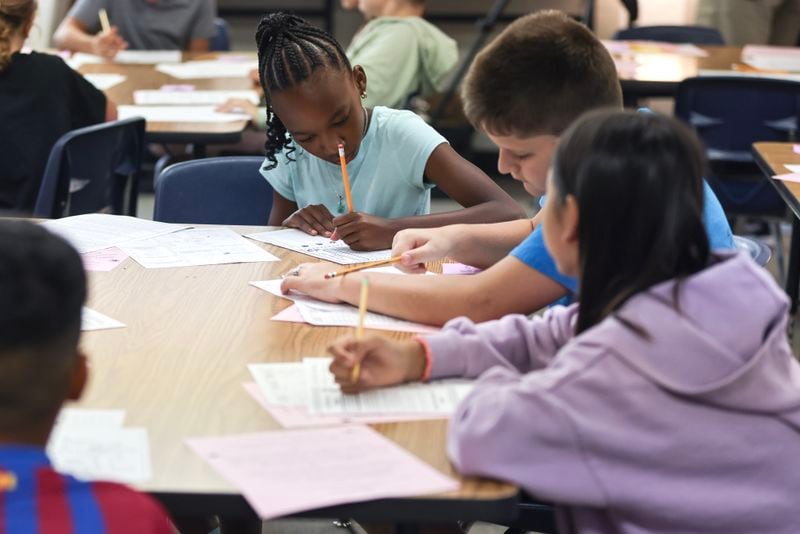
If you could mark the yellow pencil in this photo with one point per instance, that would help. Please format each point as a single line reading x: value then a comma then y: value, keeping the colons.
x: 345, y: 179
x: 104, y: 22
x: 334, y: 274
x: 362, y: 310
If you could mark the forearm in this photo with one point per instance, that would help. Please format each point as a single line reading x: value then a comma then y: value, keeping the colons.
x: 483, y: 245
x: 69, y: 37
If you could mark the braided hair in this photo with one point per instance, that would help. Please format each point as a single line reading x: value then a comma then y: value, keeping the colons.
x: 289, y: 51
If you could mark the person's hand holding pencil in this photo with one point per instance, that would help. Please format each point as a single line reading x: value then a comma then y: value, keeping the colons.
x: 108, y: 42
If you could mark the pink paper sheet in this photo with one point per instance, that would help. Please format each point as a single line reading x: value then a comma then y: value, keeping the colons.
x: 103, y: 260
x: 299, y: 417
x: 791, y: 177
x: 459, y: 268
x: 796, y: 149
x: 289, y: 471
x: 292, y: 315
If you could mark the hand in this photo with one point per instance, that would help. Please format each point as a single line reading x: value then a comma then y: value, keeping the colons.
x: 309, y: 278
x: 240, y: 105
x: 418, y: 246
x: 313, y: 220
x: 362, y: 231
x: 384, y: 362
x: 254, y: 77
x: 107, y: 44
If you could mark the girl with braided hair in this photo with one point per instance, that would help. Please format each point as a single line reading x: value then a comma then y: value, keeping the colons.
x: 314, y: 104
x: 41, y: 99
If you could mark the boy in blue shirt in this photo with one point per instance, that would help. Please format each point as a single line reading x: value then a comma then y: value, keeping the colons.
x: 42, y: 289
x: 524, y: 89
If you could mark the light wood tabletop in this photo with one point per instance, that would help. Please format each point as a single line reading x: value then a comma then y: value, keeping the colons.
x: 178, y: 366
x: 147, y: 77
x: 772, y: 157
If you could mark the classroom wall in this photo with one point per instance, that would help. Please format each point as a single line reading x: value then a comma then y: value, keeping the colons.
x: 48, y: 17
x: 611, y: 16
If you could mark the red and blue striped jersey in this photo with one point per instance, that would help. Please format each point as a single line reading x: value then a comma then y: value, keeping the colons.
x: 35, y: 499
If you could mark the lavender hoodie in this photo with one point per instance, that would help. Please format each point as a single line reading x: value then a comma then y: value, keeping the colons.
x: 695, y: 430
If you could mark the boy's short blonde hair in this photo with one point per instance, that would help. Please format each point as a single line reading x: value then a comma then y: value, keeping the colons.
x: 540, y: 74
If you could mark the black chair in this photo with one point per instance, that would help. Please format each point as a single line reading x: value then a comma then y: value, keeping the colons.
x: 228, y: 190
x: 89, y: 169
x: 699, y: 35
x: 729, y: 114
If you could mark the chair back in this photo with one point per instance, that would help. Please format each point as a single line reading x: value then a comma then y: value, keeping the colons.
x: 88, y: 169
x: 226, y: 190
x: 729, y: 114
x: 699, y: 35
x: 221, y: 41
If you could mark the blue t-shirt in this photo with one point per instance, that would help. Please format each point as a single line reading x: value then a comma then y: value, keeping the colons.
x: 534, y: 254
x: 386, y: 176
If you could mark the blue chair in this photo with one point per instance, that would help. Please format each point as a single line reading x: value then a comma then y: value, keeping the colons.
x: 88, y: 170
x: 729, y: 114
x: 699, y: 35
x: 221, y: 42
x: 227, y: 190
x: 760, y: 252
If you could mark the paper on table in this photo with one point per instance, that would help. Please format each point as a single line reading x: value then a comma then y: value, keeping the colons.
x: 319, y: 247
x: 772, y: 57
x: 300, y: 417
x: 148, y: 57
x: 103, y: 260
x: 793, y: 177
x: 180, y: 114
x: 94, y: 320
x: 795, y: 169
x: 79, y: 59
x: 81, y: 418
x: 104, y: 81
x: 97, y: 231
x: 748, y: 74
x: 282, y: 384
x: 209, y: 69
x: 459, y: 268
x: 280, y: 473
x: 653, y: 47
x: 440, y: 397
x: 113, y: 454
x: 796, y: 149
x: 196, y: 246
x: 292, y: 314
x: 211, y: 98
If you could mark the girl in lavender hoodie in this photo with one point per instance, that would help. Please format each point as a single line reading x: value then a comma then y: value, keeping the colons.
x: 668, y: 400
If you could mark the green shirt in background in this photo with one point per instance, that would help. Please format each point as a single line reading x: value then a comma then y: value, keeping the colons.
x: 402, y: 56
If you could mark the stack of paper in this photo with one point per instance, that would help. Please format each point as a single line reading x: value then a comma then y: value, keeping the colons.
x: 654, y: 47
x: 195, y: 70
x: 749, y: 74
x: 319, y: 247
x: 180, y: 114
x: 94, y: 320
x: 311, y: 385
x: 104, y: 82
x: 318, y: 313
x: 772, y: 57
x: 281, y: 473
x: 93, y: 445
x: 196, y: 246
x: 148, y: 57
x: 97, y: 231
x: 185, y: 98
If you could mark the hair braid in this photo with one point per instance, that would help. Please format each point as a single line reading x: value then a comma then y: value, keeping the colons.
x: 289, y: 51
x: 14, y: 14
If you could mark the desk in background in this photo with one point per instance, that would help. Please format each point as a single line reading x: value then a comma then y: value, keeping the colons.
x: 771, y: 158
x: 178, y: 367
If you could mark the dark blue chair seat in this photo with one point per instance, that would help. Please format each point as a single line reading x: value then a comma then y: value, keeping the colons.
x: 89, y: 168
x: 227, y: 190
x: 699, y: 35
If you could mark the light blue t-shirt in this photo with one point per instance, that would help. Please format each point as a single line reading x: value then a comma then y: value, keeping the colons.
x: 386, y: 176
x: 534, y: 254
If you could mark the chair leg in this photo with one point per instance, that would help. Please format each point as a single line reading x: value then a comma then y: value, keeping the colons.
x: 777, y: 234
x: 793, y: 274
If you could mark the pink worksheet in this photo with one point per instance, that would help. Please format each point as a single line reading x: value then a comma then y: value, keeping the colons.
x: 103, y: 260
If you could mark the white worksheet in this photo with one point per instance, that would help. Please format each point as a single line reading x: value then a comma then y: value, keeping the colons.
x: 319, y: 247
x: 321, y: 313
x: 748, y: 74
x: 187, y: 98
x: 282, y: 384
x: 94, y: 320
x: 148, y: 57
x: 82, y: 418
x: 195, y: 70
x: 325, y: 397
x: 104, y: 81
x: 793, y: 168
x: 113, y: 454
x: 195, y: 246
x: 96, y: 231
x: 180, y: 114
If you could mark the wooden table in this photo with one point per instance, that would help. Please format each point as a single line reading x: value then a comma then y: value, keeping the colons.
x: 147, y: 77
x: 660, y: 74
x: 178, y: 367
x: 771, y: 158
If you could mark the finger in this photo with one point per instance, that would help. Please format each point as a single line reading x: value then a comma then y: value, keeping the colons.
x: 347, y: 218
x: 344, y: 231
x: 419, y: 256
x: 335, y: 236
x: 322, y: 219
x: 299, y: 221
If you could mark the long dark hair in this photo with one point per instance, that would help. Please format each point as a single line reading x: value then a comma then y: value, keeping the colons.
x: 289, y: 51
x: 638, y: 182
